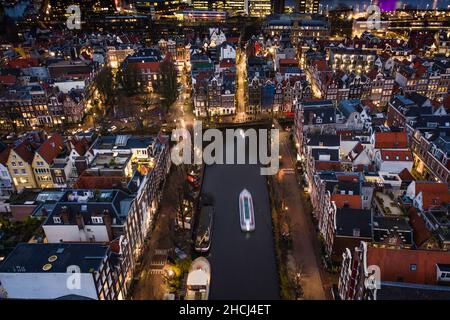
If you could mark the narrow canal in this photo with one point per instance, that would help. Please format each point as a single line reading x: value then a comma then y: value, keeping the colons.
x: 243, y: 264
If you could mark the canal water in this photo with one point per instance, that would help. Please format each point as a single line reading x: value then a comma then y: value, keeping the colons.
x: 243, y: 264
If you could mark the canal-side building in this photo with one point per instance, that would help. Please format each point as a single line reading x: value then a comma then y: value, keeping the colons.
x: 314, y: 116
x: 115, y: 217
x: 86, y: 271
x: 373, y: 273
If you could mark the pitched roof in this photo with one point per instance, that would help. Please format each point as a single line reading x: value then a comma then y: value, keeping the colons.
x: 80, y: 146
x: 420, y: 231
x: 391, y: 140
x: 396, y: 155
x: 7, y: 79
x: 405, y: 175
x: 327, y: 166
x: 25, y: 150
x: 4, y: 155
x: 346, y: 200
x: 227, y: 63
x: 433, y: 193
x: 51, y: 148
x: 152, y: 65
x: 405, y: 265
x: 356, y: 151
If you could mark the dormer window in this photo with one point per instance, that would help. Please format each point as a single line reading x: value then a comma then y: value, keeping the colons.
x: 56, y: 219
x: 97, y: 220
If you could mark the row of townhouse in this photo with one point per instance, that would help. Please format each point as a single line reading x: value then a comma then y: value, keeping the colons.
x: 275, y: 80
x: 38, y: 161
x: 46, y: 84
x: 427, y: 125
x: 369, y: 207
x: 342, y: 196
x: 106, y: 218
x: 372, y: 82
x: 430, y: 77
x: 29, y: 106
x: 213, y: 73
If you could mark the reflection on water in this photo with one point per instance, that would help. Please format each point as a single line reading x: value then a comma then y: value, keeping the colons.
x: 242, y: 264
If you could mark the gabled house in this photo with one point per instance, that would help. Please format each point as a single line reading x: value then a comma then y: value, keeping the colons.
x: 390, y: 151
x: 80, y: 156
x: 428, y: 194
x: 20, y: 165
x: 359, y: 155
x: 394, y: 161
x: 43, y: 159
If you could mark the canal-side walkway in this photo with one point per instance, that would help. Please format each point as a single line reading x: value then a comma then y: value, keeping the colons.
x: 305, y: 253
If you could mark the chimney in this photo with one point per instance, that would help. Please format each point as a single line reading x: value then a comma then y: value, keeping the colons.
x: 80, y: 221
x: 64, y: 215
x: 108, y: 223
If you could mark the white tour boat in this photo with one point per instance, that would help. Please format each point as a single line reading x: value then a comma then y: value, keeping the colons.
x: 246, y: 211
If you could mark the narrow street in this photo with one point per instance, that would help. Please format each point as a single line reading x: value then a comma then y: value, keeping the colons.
x: 150, y: 285
x: 241, y: 74
x: 305, y: 253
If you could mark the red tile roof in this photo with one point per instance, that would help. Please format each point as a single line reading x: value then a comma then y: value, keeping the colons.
x: 420, y: 231
x: 99, y: 182
x: 51, y: 148
x: 406, y: 175
x: 227, y: 63
x: 348, y: 177
x: 433, y: 193
x: 26, y: 151
x: 351, y: 201
x: 398, y: 264
x: 356, y: 151
x: 391, y: 140
x: 80, y: 146
x: 320, y: 65
x: 288, y: 61
x: 4, y: 155
x: 327, y: 166
x: 23, y: 62
x: 152, y: 65
x: 396, y: 155
x: 7, y: 79
x: 233, y: 39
